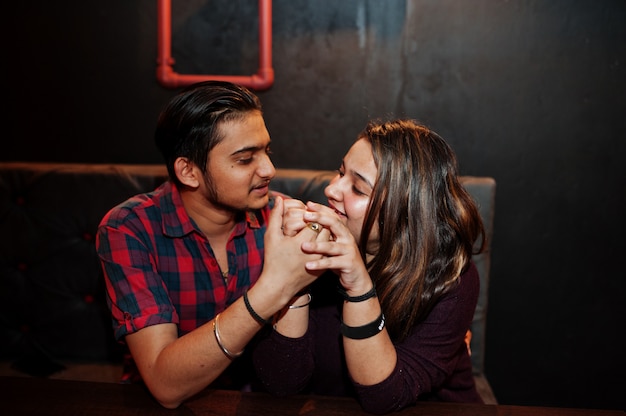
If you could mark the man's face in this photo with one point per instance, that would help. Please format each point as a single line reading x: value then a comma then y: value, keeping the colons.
x: 239, y: 168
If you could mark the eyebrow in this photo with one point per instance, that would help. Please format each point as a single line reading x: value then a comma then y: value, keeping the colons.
x: 250, y: 149
x: 361, y: 178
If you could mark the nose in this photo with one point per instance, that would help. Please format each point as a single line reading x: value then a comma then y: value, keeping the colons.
x: 333, y: 190
x: 266, y: 168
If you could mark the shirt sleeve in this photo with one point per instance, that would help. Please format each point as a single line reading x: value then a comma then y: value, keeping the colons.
x: 137, y: 296
x: 429, y: 357
x: 284, y: 365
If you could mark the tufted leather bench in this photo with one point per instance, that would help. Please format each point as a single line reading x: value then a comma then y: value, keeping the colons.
x: 53, y: 315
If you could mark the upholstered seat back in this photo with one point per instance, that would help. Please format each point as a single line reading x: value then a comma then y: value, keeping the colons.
x: 52, y: 300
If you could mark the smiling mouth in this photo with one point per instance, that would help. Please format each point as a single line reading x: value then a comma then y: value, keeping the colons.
x: 261, y: 187
x: 341, y: 214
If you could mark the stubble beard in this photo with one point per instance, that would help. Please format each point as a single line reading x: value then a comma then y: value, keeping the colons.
x: 212, y: 195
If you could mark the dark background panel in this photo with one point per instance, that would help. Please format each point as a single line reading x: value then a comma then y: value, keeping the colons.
x: 531, y: 93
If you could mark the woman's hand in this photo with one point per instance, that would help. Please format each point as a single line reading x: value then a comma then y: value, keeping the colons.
x: 340, y: 252
x: 293, y: 217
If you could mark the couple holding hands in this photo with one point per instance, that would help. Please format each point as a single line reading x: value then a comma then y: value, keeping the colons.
x: 213, y: 280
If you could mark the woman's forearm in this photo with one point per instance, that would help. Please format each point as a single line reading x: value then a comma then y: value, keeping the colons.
x: 293, y: 320
x: 372, y: 359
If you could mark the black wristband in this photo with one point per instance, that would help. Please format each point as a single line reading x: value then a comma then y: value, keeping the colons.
x: 253, y: 312
x: 368, y: 295
x: 365, y: 331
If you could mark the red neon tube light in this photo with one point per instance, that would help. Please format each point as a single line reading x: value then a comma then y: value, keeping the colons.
x: 167, y: 77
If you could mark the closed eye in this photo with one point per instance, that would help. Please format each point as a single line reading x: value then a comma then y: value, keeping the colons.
x: 356, y: 191
x: 245, y: 160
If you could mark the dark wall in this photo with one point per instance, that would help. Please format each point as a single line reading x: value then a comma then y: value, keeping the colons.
x: 531, y: 93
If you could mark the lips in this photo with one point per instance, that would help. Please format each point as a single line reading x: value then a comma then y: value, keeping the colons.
x: 262, y: 188
x: 341, y: 214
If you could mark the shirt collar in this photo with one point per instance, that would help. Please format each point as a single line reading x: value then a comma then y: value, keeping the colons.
x: 177, y: 223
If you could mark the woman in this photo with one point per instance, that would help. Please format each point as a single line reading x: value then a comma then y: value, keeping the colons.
x: 402, y: 235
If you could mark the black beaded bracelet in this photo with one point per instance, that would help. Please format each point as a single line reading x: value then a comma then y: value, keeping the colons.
x: 253, y: 312
x: 368, y: 295
x: 365, y: 331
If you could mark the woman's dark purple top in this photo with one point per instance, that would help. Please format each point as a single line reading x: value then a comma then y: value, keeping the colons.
x: 433, y: 361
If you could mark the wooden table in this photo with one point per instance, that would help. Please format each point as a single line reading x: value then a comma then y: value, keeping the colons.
x: 38, y: 396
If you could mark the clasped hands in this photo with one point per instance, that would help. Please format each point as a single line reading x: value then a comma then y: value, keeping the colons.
x: 334, y: 244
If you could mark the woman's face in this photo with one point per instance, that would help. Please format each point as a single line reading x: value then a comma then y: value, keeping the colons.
x: 350, y: 191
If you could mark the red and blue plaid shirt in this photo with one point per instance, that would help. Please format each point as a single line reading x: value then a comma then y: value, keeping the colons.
x: 160, y: 268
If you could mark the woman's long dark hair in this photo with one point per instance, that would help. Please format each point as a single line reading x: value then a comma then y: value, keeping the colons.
x: 428, y: 223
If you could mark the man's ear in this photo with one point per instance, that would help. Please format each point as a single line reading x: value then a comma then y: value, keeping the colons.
x: 187, y: 172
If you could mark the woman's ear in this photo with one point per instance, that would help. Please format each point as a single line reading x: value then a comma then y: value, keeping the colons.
x: 186, y: 172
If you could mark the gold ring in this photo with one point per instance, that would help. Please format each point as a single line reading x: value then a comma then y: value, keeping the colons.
x: 315, y: 227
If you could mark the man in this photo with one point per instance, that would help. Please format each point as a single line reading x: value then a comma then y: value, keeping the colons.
x: 178, y: 262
